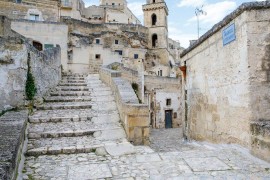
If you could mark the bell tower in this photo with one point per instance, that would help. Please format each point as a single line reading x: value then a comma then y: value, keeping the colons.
x: 155, y: 18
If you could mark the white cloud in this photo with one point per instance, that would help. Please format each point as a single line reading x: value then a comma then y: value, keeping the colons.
x: 136, y: 8
x: 176, y: 34
x: 191, y: 3
x: 91, y: 3
x: 215, y: 12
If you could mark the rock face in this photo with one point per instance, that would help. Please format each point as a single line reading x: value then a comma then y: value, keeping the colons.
x: 12, y: 128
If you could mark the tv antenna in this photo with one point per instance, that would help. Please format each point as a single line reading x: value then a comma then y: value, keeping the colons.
x: 199, y: 12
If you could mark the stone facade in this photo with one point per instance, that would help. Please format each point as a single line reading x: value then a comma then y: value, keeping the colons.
x: 15, y: 51
x: 48, y: 34
x: 226, y: 86
x: 162, y: 94
x: 40, y: 10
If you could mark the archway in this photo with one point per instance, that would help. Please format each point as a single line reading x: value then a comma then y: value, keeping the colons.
x: 154, y: 40
x: 154, y: 19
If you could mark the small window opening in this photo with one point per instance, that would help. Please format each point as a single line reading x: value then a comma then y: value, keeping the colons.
x: 168, y: 102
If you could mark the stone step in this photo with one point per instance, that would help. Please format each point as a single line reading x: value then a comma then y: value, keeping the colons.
x: 72, y: 88
x: 73, y: 78
x: 72, y: 84
x: 99, y: 88
x: 71, y: 145
x: 68, y: 129
x: 72, y: 81
x: 78, y: 105
x: 67, y: 98
x: 70, y: 93
x: 74, y: 75
x: 74, y: 116
x: 65, y: 105
x: 101, y: 93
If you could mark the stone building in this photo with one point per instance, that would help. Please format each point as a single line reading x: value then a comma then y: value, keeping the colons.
x: 95, y: 36
x: 226, y: 88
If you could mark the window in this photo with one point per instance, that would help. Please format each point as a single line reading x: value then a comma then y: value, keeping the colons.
x: 97, y: 41
x: 113, y: 4
x: 154, y: 19
x: 116, y: 42
x: 160, y: 73
x: 168, y: 102
x: 154, y: 40
x: 18, y: 1
x: 48, y: 46
x: 175, y: 115
x: 136, y: 56
x: 97, y: 56
x: 34, y: 17
x: 38, y: 45
x: 119, y: 52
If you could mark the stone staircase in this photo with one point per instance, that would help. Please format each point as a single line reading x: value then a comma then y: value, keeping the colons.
x: 79, y: 116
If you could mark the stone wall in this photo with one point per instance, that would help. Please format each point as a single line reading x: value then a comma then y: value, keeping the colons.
x: 134, y: 116
x: 12, y: 133
x: 46, y: 33
x: 47, y: 9
x: 14, y: 53
x: 157, y: 91
x: 227, y: 86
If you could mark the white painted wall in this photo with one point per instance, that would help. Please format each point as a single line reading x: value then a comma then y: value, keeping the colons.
x: 45, y: 33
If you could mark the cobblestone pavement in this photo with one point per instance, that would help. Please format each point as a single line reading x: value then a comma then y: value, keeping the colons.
x: 77, y: 142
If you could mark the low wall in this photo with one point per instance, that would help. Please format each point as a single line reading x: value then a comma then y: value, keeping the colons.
x: 134, y: 116
x: 12, y: 133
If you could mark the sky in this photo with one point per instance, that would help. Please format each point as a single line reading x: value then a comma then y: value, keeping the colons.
x: 182, y: 20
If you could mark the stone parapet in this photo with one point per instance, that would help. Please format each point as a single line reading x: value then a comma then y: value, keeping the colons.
x: 152, y: 6
x: 134, y: 116
x: 12, y: 131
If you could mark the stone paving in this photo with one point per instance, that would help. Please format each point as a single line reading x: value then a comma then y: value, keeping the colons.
x: 90, y: 143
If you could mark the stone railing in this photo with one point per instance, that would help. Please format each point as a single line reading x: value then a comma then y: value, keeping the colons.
x: 134, y: 116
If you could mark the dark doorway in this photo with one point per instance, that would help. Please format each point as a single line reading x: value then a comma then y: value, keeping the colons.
x: 168, y: 119
x: 154, y: 40
x: 154, y: 19
x: 38, y: 45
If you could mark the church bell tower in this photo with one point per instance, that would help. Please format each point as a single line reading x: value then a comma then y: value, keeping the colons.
x: 155, y: 18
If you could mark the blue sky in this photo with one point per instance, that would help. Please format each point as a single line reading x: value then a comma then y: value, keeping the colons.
x: 182, y: 19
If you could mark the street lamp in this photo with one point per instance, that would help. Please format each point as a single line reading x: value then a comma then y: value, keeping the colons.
x: 198, y: 12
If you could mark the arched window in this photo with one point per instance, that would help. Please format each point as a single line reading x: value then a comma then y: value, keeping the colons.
x: 154, y: 40
x: 38, y: 45
x: 154, y: 19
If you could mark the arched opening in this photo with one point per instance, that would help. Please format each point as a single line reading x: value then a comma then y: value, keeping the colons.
x: 38, y: 45
x: 154, y: 19
x: 154, y: 40
x: 154, y: 1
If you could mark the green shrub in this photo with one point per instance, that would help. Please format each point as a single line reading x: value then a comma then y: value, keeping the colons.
x: 30, y: 87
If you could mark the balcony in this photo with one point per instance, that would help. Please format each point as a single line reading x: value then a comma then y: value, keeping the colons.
x: 66, y: 4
